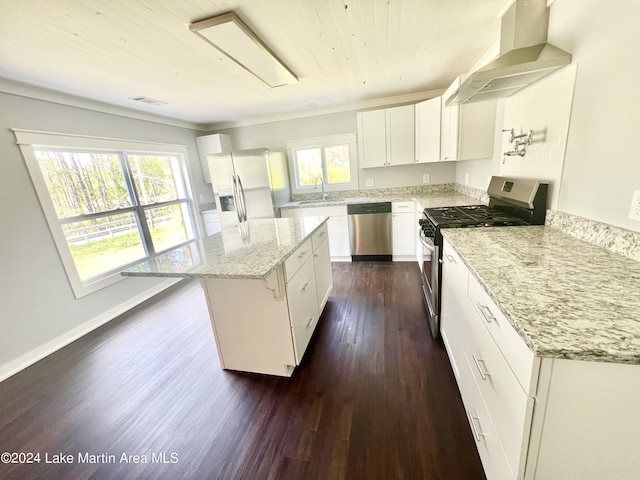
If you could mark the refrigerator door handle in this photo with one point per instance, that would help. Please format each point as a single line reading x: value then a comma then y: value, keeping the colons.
x: 244, y: 202
x: 236, y: 198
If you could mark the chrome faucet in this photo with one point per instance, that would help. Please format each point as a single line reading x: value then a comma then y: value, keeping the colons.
x: 324, y: 194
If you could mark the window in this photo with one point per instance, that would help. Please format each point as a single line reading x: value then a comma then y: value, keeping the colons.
x: 107, y: 207
x: 330, y: 159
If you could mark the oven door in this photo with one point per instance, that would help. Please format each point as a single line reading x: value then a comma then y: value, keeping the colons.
x: 430, y: 281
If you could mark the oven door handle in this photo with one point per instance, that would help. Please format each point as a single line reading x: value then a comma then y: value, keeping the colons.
x: 426, y: 243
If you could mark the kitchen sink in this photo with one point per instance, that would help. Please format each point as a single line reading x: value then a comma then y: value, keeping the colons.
x: 318, y: 202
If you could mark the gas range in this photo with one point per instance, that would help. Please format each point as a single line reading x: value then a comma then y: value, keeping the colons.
x: 464, y: 217
x: 512, y: 202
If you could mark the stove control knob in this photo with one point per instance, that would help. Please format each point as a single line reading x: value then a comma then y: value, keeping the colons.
x: 422, y: 222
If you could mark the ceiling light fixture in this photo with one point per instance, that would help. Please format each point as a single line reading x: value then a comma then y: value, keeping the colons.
x: 232, y: 37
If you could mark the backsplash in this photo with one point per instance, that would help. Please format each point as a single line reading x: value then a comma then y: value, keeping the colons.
x: 473, y: 192
x: 617, y: 240
x: 378, y: 192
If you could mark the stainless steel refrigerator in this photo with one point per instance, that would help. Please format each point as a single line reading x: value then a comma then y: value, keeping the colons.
x: 249, y: 184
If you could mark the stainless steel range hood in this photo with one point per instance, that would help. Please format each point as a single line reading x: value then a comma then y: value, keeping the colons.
x: 525, y: 56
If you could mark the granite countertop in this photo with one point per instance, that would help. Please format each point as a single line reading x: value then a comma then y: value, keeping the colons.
x: 427, y: 200
x: 565, y: 297
x: 253, y: 251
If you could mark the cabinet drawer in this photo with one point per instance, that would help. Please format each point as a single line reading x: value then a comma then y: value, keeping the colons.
x: 293, y: 263
x: 303, y: 330
x: 319, y: 236
x: 403, y: 207
x: 492, y: 455
x: 301, y: 291
x: 507, y: 404
x: 453, y: 266
x: 516, y: 353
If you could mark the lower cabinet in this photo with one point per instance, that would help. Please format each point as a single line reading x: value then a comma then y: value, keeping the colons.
x: 403, y: 228
x: 338, y: 227
x: 454, y: 303
x: 533, y: 417
x: 265, y: 325
x: 211, y: 222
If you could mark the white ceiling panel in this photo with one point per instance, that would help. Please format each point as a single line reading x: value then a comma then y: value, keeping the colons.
x: 343, y: 51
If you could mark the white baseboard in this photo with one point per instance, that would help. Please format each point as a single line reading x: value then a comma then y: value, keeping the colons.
x: 31, y: 357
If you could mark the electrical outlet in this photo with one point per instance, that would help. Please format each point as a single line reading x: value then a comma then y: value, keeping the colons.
x: 426, y: 178
x: 369, y: 182
x: 634, y: 211
x: 466, y: 177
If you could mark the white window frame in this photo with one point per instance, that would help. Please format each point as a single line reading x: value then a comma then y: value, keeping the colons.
x: 29, y: 140
x: 323, y: 142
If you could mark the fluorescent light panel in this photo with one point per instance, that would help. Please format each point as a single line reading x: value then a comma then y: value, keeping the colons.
x: 233, y: 38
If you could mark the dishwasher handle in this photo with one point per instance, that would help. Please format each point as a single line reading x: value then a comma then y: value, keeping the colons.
x: 368, y: 208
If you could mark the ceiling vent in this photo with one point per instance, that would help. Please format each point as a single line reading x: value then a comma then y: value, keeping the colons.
x: 148, y: 101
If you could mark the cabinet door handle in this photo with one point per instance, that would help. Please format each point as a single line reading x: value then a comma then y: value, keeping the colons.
x: 483, y: 371
x: 302, y: 254
x: 451, y: 258
x: 310, y: 322
x: 486, y: 313
x: 315, y: 255
x: 322, y: 234
x: 305, y: 287
x: 475, y: 429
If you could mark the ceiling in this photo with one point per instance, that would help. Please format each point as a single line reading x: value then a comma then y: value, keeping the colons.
x: 344, y: 52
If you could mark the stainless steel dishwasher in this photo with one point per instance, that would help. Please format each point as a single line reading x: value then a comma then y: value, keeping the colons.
x: 370, y: 231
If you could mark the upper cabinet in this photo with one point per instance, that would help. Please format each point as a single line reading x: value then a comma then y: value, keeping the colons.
x: 386, y: 137
x: 427, y: 118
x: 209, y: 145
x: 467, y: 130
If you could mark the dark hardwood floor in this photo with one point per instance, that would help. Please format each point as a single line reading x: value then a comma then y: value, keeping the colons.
x: 375, y: 397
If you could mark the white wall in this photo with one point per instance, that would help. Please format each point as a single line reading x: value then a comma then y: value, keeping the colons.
x: 274, y: 135
x: 601, y: 166
x: 545, y: 108
x: 599, y: 171
x: 38, y: 310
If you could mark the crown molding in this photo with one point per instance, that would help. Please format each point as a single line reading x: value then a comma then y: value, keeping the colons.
x: 348, y: 107
x: 39, y: 93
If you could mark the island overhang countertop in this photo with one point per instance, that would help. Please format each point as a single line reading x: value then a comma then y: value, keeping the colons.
x: 565, y: 297
x: 252, y: 250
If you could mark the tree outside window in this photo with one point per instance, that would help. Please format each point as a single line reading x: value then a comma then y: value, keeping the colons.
x: 331, y: 164
x: 115, y: 208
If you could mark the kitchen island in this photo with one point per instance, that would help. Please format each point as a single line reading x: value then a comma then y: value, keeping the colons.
x: 266, y: 284
x: 543, y: 334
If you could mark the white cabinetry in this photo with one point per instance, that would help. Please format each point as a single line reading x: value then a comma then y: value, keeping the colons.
x: 467, y: 130
x: 427, y: 123
x: 322, y: 266
x: 211, y: 221
x: 386, y: 137
x: 264, y: 326
x: 403, y: 228
x: 532, y: 417
x: 338, y: 227
x: 209, y: 145
x: 453, y: 307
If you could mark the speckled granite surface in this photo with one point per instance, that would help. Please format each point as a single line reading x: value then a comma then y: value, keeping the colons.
x: 481, y: 195
x: 618, y: 240
x: 565, y: 297
x: 233, y: 253
x: 396, y: 192
x: 428, y: 199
